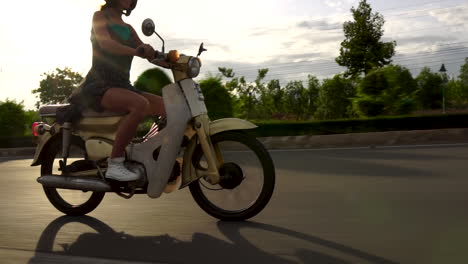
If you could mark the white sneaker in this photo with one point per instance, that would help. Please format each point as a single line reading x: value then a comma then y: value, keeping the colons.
x: 117, y: 171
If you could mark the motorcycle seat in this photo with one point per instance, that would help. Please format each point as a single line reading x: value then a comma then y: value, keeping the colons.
x: 51, y: 111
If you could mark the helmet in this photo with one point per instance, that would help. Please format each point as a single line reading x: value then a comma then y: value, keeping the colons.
x: 110, y: 3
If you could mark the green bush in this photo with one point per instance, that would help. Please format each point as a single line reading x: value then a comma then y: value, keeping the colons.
x: 12, y: 119
x: 217, y: 98
x: 379, y: 124
x: 391, y: 87
x: 369, y: 106
x: 374, y: 84
x: 152, y: 81
x: 334, y: 98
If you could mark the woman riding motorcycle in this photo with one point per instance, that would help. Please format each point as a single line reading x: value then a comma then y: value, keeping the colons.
x: 107, y: 85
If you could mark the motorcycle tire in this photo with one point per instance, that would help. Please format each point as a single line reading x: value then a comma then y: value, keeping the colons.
x: 240, y: 175
x: 53, y: 155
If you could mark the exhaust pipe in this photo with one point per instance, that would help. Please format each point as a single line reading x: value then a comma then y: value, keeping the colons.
x: 91, y: 184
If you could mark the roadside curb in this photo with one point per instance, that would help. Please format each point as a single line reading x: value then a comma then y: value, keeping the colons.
x: 17, y: 152
x: 392, y: 138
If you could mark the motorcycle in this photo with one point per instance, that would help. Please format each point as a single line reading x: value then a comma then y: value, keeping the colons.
x: 230, y: 174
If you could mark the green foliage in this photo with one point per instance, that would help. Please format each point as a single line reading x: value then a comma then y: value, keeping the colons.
x: 12, y: 119
x: 463, y: 77
x: 386, y: 91
x: 374, y: 84
x: 457, y: 90
x: 368, y: 106
x: 457, y: 94
x: 31, y: 116
x: 399, y: 98
x: 334, y: 98
x: 152, y: 81
x: 247, y: 94
x: 362, y: 50
x: 272, y: 99
x: 345, y: 126
x: 313, y: 87
x: 296, y: 99
x: 429, y: 93
x: 57, y: 86
x: 217, y: 98
x: 259, y: 100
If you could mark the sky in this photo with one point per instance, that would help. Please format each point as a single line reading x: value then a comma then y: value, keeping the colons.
x: 293, y: 38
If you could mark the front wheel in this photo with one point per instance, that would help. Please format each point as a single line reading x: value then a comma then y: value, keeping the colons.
x: 247, y: 178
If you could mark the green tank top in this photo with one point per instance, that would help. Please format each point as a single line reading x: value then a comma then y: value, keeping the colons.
x: 121, y: 34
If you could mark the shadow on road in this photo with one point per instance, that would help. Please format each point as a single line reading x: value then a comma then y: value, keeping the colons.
x: 109, y: 244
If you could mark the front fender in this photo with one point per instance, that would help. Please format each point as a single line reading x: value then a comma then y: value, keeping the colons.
x: 226, y: 124
x: 217, y: 126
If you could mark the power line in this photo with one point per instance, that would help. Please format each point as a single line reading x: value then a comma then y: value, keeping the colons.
x: 334, y: 69
x: 402, y: 58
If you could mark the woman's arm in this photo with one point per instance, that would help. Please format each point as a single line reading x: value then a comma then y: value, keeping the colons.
x: 149, y: 51
x: 136, y: 38
x: 104, y: 39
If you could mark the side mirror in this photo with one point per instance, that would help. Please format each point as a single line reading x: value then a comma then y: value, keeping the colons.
x: 148, y: 27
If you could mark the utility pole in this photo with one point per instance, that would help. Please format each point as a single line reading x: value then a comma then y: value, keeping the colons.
x: 443, y: 74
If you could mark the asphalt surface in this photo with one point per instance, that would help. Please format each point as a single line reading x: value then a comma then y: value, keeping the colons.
x: 364, y: 205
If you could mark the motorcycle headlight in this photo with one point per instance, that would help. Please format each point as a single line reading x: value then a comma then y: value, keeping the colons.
x: 194, y: 66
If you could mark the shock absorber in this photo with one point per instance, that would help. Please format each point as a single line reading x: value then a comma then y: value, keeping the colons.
x: 66, y: 137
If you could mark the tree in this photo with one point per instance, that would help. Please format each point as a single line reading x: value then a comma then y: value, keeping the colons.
x: 12, y: 119
x: 429, y: 93
x: 57, y: 86
x: 217, y: 98
x: 362, y: 50
x: 297, y: 100
x: 265, y: 107
x: 463, y: 77
x: 152, y: 81
x: 334, y: 98
x: 386, y: 91
x: 457, y: 94
x: 370, y: 93
x: 399, y: 98
x: 313, y: 87
x: 276, y: 95
x: 247, y: 93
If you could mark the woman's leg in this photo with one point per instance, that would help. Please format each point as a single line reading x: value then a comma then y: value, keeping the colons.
x: 156, y: 105
x: 118, y: 99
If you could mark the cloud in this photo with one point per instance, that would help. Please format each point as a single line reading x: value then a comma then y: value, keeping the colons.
x: 339, y: 5
x: 454, y: 16
x: 424, y: 39
x: 320, y: 25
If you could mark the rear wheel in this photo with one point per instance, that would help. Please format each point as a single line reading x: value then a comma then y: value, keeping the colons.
x: 247, y: 178
x: 70, y: 202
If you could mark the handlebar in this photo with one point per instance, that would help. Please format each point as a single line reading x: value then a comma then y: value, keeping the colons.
x: 157, y: 56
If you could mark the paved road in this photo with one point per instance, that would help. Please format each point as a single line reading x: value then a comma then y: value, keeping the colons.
x: 382, y: 205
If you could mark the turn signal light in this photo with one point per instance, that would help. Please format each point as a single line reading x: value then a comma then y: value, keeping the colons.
x: 35, y: 128
x: 39, y: 128
x: 173, y: 56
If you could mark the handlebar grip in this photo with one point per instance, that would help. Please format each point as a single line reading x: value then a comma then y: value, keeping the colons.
x: 140, y: 51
